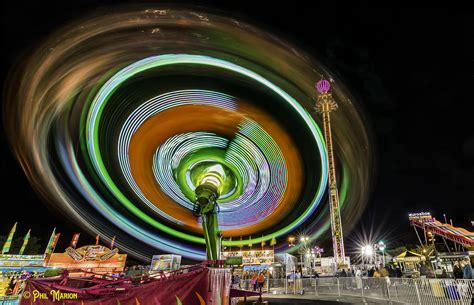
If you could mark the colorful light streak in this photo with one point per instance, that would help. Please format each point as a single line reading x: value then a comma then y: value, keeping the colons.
x: 122, y: 158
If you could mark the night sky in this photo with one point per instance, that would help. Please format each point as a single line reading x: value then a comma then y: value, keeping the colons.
x: 412, y: 71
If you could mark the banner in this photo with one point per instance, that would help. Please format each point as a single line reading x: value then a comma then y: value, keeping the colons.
x: 112, y: 242
x: 198, y: 287
x: 273, y: 242
x: 25, y: 242
x: 74, y: 240
x: 8, y: 242
x: 55, y: 242
x: 49, y: 247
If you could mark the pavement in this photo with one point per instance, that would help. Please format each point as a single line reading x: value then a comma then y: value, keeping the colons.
x: 312, y: 299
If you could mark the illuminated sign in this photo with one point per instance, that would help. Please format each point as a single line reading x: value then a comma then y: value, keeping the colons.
x: 109, y: 255
x: 165, y: 262
x: 256, y: 267
x: 252, y: 257
x: 423, y: 216
x: 91, y: 253
x: 94, y: 258
x: 233, y: 260
x: 74, y: 254
x: 21, y: 261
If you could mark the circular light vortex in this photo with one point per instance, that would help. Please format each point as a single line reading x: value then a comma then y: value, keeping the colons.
x: 121, y: 116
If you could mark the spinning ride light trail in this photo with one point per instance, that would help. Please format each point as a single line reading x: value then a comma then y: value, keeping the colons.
x: 119, y: 119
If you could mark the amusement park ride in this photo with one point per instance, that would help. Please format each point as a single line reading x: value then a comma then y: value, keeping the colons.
x: 430, y: 226
x: 206, y: 206
x: 210, y: 185
x: 208, y: 191
x: 183, y: 137
x: 325, y: 104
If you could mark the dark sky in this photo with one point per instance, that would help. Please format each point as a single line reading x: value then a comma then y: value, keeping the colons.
x: 413, y: 71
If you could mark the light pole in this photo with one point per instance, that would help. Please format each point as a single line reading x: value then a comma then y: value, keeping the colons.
x: 291, y: 243
x: 304, y: 240
x: 308, y: 260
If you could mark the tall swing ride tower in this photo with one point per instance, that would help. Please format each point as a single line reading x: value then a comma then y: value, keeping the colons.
x: 325, y: 104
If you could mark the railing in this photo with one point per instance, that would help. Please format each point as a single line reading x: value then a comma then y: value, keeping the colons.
x: 7, y: 300
x: 397, y: 290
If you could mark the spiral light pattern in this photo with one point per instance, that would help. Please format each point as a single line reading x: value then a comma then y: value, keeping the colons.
x: 118, y: 117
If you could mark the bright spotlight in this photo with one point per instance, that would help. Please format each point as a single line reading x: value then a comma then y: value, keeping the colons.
x: 381, y: 246
x: 367, y: 250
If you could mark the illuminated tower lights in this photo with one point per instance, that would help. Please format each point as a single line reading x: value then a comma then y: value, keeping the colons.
x: 324, y: 105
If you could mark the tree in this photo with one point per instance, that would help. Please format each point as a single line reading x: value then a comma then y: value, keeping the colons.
x: 397, y: 251
x: 34, y: 245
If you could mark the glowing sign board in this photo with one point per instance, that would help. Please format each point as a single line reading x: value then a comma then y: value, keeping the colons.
x: 165, y: 262
x: 93, y: 258
x: 423, y: 216
x: 21, y: 261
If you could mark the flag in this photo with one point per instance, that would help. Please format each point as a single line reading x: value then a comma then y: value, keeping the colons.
x: 55, y: 242
x: 241, y: 243
x: 263, y: 243
x: 273, y: 241
x: 112, y: 242
x: 50, y: 243
x: 74, y: 240
x: 97, y: 239
x: 250, y: 244
x: 8, y: 242
x: 25, y: 242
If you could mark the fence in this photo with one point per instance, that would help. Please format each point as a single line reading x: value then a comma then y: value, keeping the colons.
x: 402, y: 290
x: 9, y: 300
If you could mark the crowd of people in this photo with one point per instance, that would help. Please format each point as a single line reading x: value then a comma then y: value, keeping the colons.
x: 460, y: 270
x: 463, y: 269
x: 256, y: 279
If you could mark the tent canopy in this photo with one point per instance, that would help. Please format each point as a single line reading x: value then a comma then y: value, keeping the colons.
x: 408, y: 254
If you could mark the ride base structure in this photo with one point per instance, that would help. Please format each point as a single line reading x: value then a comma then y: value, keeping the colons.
x: 206, y: 206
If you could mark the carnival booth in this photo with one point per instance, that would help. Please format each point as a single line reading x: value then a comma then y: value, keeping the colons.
x: 250, y: 261
x: 91, y: 259
x: 446, y: 261
x: 15, y: 269
x: 409, y: 261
